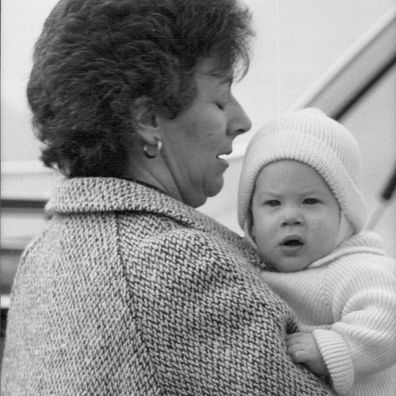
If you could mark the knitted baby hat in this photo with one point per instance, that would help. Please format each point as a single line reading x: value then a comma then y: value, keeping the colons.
x: 308, y: 136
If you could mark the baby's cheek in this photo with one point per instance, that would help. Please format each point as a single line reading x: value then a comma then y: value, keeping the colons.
x: 320, y: 231
x: 324, y: 236
x: 318, y: 226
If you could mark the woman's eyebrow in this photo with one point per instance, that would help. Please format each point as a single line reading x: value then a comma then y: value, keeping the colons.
x: 227, y: 80
x: 222, y: 78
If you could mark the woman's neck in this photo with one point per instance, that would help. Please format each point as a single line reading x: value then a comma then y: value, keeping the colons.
x: 154, y: 176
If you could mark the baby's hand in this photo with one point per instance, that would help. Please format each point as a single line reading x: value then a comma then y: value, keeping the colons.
x: 303, y: 348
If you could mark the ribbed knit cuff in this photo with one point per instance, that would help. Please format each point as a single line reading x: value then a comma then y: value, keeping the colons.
x: 337, y: 358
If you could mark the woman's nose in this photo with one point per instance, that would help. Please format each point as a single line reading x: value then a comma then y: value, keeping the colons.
x: 238, y: 122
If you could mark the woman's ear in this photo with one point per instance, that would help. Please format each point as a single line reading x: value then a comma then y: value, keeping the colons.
x: 145, y: 120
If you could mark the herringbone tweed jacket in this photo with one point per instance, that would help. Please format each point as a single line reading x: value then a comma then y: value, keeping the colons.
x: 130, y: 292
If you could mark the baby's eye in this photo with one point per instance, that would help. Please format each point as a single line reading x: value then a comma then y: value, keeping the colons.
x: 220, y: 105
x: 272, y: 202
x: 310, y: 201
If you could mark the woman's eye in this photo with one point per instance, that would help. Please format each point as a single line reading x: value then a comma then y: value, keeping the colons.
x: 272, y: 202
x: 311, y: 201
x: 221, y: 106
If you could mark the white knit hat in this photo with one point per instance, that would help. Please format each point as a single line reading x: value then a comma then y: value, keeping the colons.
x: 308, y: 136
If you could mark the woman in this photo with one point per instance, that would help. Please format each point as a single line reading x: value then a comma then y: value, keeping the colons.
x: 130, y: 290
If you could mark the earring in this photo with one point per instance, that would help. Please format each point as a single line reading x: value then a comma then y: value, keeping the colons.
x: 158, y: 147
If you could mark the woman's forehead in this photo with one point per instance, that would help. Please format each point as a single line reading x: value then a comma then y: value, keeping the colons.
x: 212, y: 67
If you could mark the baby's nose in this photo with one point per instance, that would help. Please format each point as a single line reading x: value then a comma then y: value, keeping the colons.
x: 292, y: 216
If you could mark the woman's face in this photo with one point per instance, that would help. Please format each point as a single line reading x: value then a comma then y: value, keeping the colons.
x: 195, y: 140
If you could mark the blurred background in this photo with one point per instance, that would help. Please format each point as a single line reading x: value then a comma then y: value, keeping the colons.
x: 338, y: 55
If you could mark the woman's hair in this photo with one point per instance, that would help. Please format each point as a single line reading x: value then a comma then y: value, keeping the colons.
x: 95, y: 57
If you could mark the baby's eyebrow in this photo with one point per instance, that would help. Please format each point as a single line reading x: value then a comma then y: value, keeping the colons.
x: 311, y: 191
x: 267, y: 193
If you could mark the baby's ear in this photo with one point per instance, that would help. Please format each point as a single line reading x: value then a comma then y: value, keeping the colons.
x: 345, y: 229
x: 249, y: 230
x: 253, y: 234
x: 249, y: 224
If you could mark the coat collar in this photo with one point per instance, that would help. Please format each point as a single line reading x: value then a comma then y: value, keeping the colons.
x: 107, y: 194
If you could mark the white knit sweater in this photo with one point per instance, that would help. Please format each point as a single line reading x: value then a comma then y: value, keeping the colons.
x: 348, y: 300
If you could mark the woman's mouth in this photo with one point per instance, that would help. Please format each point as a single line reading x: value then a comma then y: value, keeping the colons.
x: 224, y: 159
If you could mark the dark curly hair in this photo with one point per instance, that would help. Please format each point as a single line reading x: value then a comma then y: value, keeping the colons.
x: 95, y: 57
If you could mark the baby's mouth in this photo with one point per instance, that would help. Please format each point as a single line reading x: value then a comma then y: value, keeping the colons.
x: 292, y: 241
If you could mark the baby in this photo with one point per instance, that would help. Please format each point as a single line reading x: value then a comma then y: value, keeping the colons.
x: 300, y: 205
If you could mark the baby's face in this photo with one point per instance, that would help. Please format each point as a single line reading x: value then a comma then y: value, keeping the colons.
x: 296, y: 217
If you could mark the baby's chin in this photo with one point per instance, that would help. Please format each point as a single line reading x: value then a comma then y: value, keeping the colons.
x: 286, y: 267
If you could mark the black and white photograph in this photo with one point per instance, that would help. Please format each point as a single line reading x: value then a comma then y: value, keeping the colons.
x: 198, y: 197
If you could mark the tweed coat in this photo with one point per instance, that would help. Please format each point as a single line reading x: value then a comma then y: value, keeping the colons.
x: 130, y: 292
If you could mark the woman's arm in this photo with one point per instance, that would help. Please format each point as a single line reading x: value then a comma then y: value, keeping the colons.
x: 210, y: 325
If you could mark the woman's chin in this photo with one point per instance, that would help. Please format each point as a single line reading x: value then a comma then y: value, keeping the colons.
x: 214, y: 187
